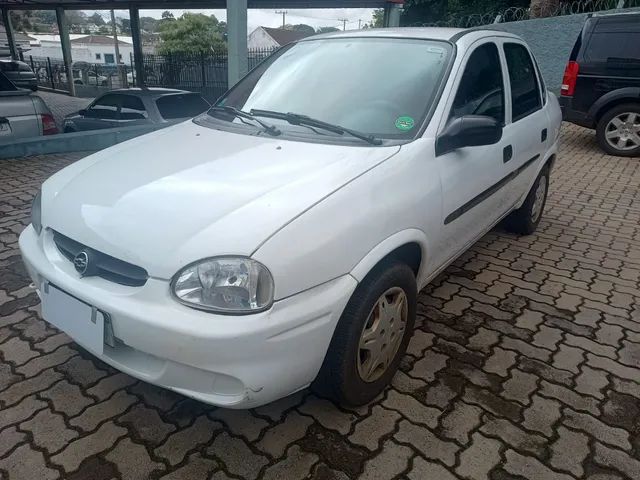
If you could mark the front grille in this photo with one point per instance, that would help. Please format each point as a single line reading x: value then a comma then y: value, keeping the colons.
x: 107, y: 267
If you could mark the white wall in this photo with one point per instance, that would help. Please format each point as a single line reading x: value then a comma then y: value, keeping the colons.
x: 80, y: 52
x: 260, y: 39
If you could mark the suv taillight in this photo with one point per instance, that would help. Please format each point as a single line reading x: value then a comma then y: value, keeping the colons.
x: 569, y: 79
x: 48, y: 124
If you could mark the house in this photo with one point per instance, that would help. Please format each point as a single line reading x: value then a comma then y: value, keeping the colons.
x: 22, y: 42
x: 270, y: 38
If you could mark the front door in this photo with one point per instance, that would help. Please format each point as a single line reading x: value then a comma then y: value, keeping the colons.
x: 473, y: 177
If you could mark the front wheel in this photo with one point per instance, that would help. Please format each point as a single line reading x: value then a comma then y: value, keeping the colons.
x: 525, y: 220
x: 618, y: 130
x: 371, y: 336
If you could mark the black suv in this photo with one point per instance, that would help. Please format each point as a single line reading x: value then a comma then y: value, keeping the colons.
x: 601, y: 84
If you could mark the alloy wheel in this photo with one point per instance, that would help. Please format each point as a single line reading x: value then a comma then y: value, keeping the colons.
x: 623, y: 131
x: 538, y: 202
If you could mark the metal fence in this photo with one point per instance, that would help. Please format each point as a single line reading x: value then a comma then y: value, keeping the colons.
x: 51, y: 73
x: 541, y: 10
x: 199, y: 72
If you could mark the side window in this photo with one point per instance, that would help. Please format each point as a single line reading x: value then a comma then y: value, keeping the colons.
x: 525, y: 91
x: 105, y: 107
x: 132, y: 108
x: 481, y: 89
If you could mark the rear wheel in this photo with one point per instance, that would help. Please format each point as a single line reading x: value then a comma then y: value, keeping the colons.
x: 525, y: 220
x: 618, y: 130
x: 371, y: 336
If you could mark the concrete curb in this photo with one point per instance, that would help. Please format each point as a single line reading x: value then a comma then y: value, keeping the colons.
x: 92, y: 140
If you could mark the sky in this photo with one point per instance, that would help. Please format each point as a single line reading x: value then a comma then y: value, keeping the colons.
x: 317, y: 17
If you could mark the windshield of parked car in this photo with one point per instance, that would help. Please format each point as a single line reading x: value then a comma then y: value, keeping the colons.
x: 379, y: 86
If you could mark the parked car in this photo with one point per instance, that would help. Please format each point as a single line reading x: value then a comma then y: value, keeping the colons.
x: 136, y: 106
x: 19, y: 73
x: 22, y: 114
x: 281, y: 238
x: 601, y: 84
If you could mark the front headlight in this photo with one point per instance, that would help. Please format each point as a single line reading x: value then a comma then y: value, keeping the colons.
x: 36, y: 213
x: 232, y: 285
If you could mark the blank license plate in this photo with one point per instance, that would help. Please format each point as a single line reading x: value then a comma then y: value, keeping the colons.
x: 79, y: 320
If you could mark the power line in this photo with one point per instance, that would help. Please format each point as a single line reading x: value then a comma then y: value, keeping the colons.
x: 284, y: 17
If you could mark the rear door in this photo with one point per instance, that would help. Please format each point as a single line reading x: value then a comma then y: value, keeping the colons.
x: 132, y: 111
x: 527, y: 122
x: 102, y: 113
x: 609, y: 58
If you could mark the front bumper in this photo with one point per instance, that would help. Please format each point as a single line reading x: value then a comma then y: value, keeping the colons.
x: 230, y: 361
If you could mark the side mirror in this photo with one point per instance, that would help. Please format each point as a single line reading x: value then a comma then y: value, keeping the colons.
x: 468, y: 131
x: 82, y: 112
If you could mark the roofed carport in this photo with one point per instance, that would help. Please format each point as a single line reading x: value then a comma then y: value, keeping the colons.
x: 236, y: 21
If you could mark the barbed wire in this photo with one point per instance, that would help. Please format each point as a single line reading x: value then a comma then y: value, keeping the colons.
x: 542, y: 10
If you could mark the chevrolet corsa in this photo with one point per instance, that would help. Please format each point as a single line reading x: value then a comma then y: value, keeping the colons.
x: 280, y: 239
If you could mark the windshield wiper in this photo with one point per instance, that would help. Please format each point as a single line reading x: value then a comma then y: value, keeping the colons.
x: 270, y: 129
x: 298, y: 119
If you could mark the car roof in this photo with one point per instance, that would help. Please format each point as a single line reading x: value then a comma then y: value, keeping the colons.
x: 426, y: 33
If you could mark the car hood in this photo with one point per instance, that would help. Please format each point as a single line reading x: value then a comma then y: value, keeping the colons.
x: 180, y: 194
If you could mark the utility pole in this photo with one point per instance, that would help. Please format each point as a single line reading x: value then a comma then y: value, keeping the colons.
x: 344, y: 23
x: 114, y: 30
x: 359, y: 24
x: 284, y: 17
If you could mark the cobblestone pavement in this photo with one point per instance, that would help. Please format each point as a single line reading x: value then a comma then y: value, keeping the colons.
x: 62, y: 105
x: 524, y: 365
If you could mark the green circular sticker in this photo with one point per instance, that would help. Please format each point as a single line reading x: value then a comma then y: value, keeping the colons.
x: 405, y: 123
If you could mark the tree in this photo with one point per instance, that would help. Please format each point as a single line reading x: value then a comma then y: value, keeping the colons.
x: 378, y: 18
x: 96, y: 19
x: 327, y: 29
x: 148, y: 24
x: 125, y: 25
x: 301, y: 27
x: 21, y: 20
x: 192, y: 32
x: 167, y: 15
x: 543, y: 8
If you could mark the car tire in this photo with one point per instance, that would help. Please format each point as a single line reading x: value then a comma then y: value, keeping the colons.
x: 606, y: 128
x: 525, y: 220
x: 347, y: 374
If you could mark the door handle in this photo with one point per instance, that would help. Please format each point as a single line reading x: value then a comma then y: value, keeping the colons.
x: 507, y: 153
x: 543, y: 135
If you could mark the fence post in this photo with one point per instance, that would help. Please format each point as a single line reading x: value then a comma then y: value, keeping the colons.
x: 50, y: 73
x: 31, y: 61
x: 620, y: 4
x: 204, y: 75
x: 133, y: 70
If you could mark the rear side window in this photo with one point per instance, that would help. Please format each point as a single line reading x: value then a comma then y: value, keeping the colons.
x: 8, y: 66
x: 613, y: 45
x: 105, y: 107
x: 186, y: 105
x: 132, y: 108
x: 525, y: 90
x: 481, y: 89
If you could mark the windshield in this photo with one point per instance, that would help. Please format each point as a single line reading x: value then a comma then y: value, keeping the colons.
x: 379, y: 86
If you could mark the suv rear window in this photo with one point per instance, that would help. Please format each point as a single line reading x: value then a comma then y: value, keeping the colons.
x: 615, y: 37
x: 181, y: 106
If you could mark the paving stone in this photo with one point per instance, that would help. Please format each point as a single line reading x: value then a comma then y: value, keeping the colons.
x: 95, y: 414
x: 547, y: 337
x: 26, y: 463
x: 597, y: 429
x: 38, y: 364
x: 296, y: 465
x: 513, y: 436
x: 492, y: 403
x: 569, y: 397
x: 569, y: 451
x: 180, y: 443
x: 21, y: 411
x: 236, y: 456
x: 591, y: 382
x: 530, y: 468
x: 429, y: 445
x: 519, y: 386
x: 99, y: 441
x: 278, y: 409
x: 19, y: 390
x: 568, y: 358
x: 327, y: 414
x: 412, y: 409
x: 462, y: 419
x: 542, y: 415
x: 424, y: 470
x: 419, y: 342
x: 197, y: 467
x: 500, y: 362
x: 108, y: 385
x: 479, y: 458
x: 621, y: 461
x: 17, y: 351
x: 240, y: 422
x: 145, y: 423
x: 9, y: 439
x: 49, y: 431
x: 530, y: 320
x: 484, y: 340
x: 393, y: 460
x: 277, y: 438
x: 426, y: 368
x: 369, y: 431
x: 133, y: 460
x: 66, y: 398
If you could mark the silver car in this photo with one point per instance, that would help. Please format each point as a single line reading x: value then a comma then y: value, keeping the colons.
x: 137, y: 106
x: 22, y: 114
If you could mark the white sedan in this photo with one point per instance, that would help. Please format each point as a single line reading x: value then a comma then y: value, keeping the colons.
x: 280, y: 239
